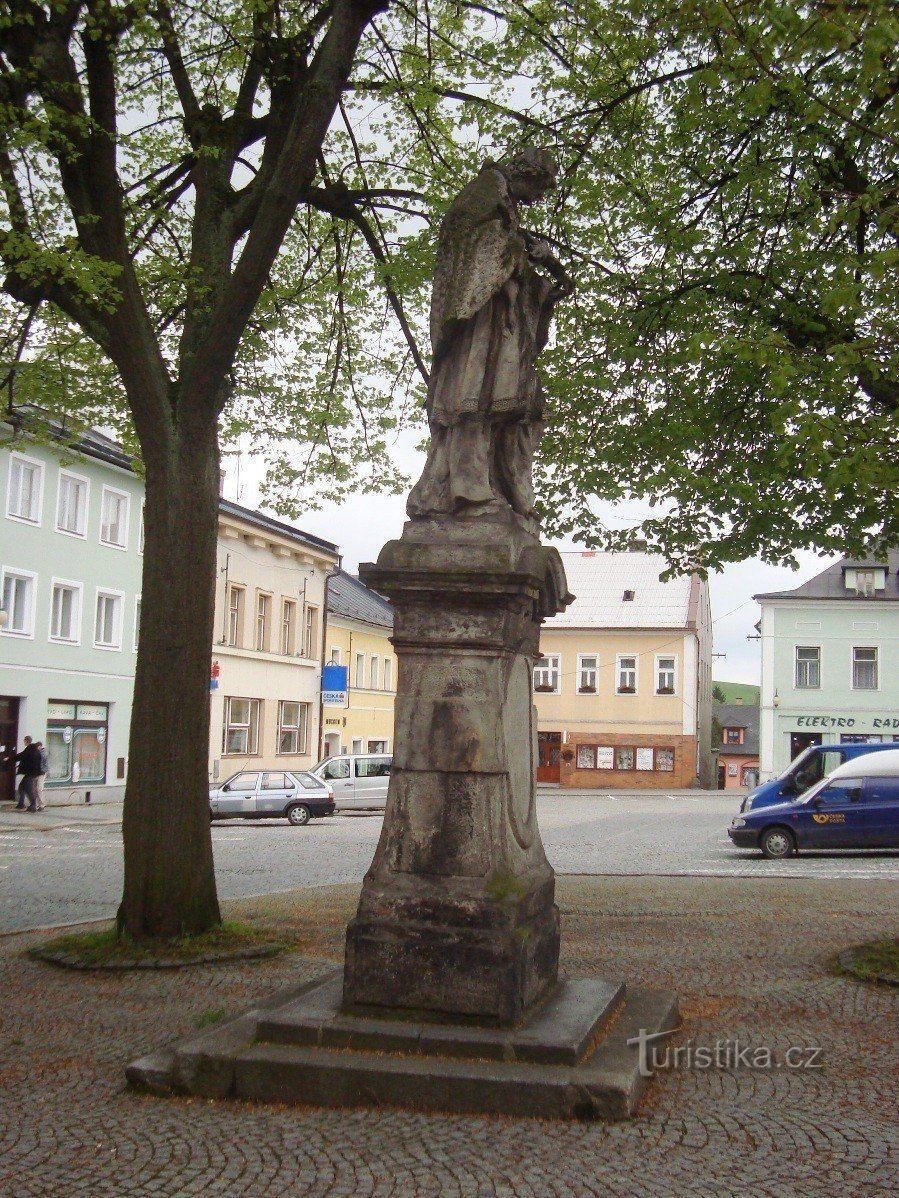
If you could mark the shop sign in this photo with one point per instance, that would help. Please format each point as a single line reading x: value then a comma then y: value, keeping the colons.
x: 334, y: 686
x: 60, y: 711
x: 832, y: 721
x: 605, y: 758
x: 92, y: 711
x: 644, y: 759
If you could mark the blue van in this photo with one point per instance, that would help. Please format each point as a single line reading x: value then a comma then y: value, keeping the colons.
x: 855, y: 807
x: 804, y: 771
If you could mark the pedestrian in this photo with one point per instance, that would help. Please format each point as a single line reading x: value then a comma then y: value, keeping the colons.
x: 40, y: 779
x: 29, y: 766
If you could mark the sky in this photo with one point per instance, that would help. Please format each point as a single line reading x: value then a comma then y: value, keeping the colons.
x: 363, y: 523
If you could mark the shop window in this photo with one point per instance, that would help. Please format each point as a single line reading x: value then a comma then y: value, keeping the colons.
x: 864, y: 669
x: 587, y: 669
x: 665, y: 760
x: 18, y: 602
x: 241, y: 731
x: 586, y: 757
x: 808, y: 667
x: 26, y: 487
x: 76, y: 742
x: 546, y: 674
x: 625, y: 757
x: 293, y: 723
x: 377, y: 746
x: 644, y: 759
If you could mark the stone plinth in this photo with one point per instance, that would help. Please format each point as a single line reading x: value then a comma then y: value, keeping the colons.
x: 457, y: 914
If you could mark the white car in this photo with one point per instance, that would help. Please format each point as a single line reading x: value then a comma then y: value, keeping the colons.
x: 359, y: 780
x: 266, y: 794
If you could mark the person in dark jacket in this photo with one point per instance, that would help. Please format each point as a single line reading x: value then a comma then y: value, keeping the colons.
x: 28, y: 764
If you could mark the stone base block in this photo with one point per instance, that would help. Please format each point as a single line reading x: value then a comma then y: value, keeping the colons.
x: 493, y: 974
x: 569, y: 1059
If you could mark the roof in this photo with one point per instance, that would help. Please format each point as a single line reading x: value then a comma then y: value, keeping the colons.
x: 829, y: 584
x: 599, y: 581
x: 349, y: 596
x: 228, y: 508
x: 738, y: 715
x: 883, y: 764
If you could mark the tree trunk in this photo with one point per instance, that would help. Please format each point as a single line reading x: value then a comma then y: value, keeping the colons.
x: 169, y: 875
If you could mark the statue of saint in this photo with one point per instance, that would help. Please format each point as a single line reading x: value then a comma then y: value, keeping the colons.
x: 495, y: 288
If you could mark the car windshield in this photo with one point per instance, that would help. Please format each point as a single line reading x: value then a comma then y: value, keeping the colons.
x: 307, y: 781
x: 808, y: 795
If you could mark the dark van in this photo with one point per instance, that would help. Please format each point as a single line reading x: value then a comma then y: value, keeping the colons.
x: 855, y: 807
x: 804, y: 771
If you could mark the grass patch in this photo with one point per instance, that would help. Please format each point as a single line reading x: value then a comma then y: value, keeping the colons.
x: 107, y: 948
x: 208, y: 1018
x: 876, y: 960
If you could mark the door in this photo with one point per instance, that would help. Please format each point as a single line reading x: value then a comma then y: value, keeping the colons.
x: 238, y: 795
x: 722, y: 777
x: 277, y: 787
x: 549, y: 756
x: 881, y: 813
x: 834, y: 819
x: 337, y: 773
x: 9, y: 743
x: 372, y: 780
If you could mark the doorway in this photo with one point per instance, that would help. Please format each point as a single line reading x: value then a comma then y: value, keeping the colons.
x: 800, y: 741
x: 9, y: 744
x: 549, y: 756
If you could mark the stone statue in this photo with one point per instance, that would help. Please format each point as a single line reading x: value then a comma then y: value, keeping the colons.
x: 495, y: 289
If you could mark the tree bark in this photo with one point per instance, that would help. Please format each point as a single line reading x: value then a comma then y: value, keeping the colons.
x: 169, y: 886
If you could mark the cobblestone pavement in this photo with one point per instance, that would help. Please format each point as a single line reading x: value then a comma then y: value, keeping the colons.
x: 72, y: 869
x: 750, y: 960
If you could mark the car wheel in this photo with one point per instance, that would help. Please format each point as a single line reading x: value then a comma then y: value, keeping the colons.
x: 298, y: 815
x: 777, y: 843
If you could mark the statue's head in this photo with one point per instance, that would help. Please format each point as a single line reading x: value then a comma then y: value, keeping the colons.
x: 531, y: 173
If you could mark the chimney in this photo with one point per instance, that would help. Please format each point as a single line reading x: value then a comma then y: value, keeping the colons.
x: 739, y: 700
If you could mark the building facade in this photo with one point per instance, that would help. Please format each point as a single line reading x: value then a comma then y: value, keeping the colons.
x: 71, y: 558
x: 360, y: 624
x: 623, y: 687
x: 268, y: 644
x: 737, y: 745
x: 830, y: 661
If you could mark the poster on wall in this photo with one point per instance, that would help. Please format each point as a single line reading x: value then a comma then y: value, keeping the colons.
x: 644, y: 759
x: 665, y: 760
x: 586, y: 757
x: 605, y: 758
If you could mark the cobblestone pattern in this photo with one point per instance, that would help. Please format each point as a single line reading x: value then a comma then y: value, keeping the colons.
x: 750, y: 961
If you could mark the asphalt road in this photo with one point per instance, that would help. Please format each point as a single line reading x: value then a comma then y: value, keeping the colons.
x: 73, y: 872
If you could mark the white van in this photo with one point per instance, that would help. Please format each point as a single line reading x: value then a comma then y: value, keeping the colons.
x: 359, y: 780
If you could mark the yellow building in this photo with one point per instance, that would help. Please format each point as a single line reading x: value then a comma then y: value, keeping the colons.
x: 360, y: 624
x: 267, y: 648
x: 623, y: 688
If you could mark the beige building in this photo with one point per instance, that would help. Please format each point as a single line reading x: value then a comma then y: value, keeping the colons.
x: 268, y: 643
x: 623, y: 689
x: 360, y: 624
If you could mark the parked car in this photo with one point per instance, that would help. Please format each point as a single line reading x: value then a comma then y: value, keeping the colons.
x: 359, y: 780
x: 265, y: 794
x: 804, y: 771
x: 855, y: 807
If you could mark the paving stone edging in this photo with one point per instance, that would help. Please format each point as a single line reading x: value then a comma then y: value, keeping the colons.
x: 848, y: 960
x: 69, y: 961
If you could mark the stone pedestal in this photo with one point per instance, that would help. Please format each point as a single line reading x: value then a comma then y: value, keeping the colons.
x: 457, y: 916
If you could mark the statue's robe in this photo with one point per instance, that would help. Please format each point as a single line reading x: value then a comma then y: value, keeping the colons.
x: 490, y: 316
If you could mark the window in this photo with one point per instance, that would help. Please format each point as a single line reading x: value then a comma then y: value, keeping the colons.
x: 18, y: 602
x: 664, y: 675
x: 241, y: 732
x: 360, y: 670
x: 380, y: 746
x: 77, y: 735
x: 546, y: 674
x: 628, y: 597
x: 136, y: 622
x: 263, y: 621
x: 108, y: 622
x: 627, y: 675
x: 310, y: 632
x: 587, y: 668
x: 625, y: 758
x: 374, y: 673
x: 864, y: 582
x: 808, y: 667
x: 388, y: 674
x: 293, y: 721
x: 114, y: 518
x: 665, y: 760
x: 288, y: 627
x: 143, y: 534
x: 71, y: 506
x: 26, y: 485
x: 864, y: 669
x: 272, y: 780
x: 733, y: 736
x: 357, y: 744
x: 586, y: 757
x: 65, y: 612
x: 235, y: 615
x: 242, y: 782
x: 335, y: 656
